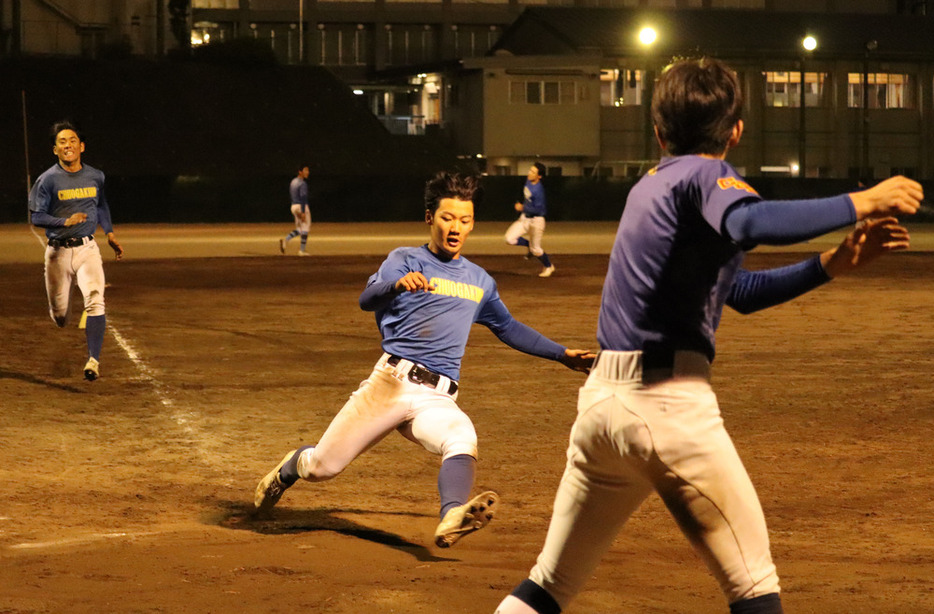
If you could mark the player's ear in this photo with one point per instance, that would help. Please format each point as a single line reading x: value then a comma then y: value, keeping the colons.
x: 428, y: 216
x: 661, y: 143
x: 736, y: 135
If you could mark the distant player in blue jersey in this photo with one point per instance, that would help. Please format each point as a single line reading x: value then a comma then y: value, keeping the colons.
x: 648, y: 419
x: 532, y: 211
x: 301, y: 211
x: 68, y: 200
x: 426, y: 299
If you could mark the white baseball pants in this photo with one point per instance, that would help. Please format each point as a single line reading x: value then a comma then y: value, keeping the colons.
x: 384, y: 402
x: 630, y: 439
x: 66, y: 266
x: 302, y: 222
x: 534, y: 227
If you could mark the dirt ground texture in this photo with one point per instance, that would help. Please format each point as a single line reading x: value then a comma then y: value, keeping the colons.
x: 133, y: 493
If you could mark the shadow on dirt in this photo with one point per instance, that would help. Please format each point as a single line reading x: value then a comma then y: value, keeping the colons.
x: 239, y: 516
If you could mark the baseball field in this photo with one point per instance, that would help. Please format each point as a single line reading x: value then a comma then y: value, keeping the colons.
x: 134, y: 493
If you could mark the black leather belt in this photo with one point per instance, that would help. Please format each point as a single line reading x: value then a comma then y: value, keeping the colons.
x: 70, y: 242
x: 420, y: 375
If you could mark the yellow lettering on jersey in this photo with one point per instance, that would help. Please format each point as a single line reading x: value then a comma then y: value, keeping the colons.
x: 457, y: 289
x: 74, y: 193
x: 725, y: 183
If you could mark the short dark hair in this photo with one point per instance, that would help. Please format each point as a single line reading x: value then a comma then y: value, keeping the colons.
x: 64, y: 124
x: 696, y: 104
x: 541, y: 168
x: 462, y: 186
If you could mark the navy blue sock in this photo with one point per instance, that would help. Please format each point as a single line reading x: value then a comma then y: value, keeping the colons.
x: 522, y: 241
x: 536, y: 598
x: 291, y: 235
x: 546, y: 262
x: 304, y: 241
x: 288, y: 473
x: 94, y: 331
x: 455, y: 480
x: 764, y: 604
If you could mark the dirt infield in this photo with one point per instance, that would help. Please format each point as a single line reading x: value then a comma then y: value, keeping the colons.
x: 131, y: 494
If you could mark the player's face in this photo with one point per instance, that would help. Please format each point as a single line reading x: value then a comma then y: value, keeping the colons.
x: 450, y: 225
x: 68, y: 148
x: 533, y: 175
x: 304, y: 173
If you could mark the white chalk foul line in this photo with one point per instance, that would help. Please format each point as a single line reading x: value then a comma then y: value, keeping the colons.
x: 188, y: 420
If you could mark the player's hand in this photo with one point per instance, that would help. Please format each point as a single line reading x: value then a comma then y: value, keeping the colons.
x: 76, y: 218
x: 519, y: 207
x: 118, y: 249
x: 413, y: 281
x: 868, y: 241
x: 894, y: 196
x: 578, y: 360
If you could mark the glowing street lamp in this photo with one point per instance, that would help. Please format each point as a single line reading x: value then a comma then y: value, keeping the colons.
x: 647, y: 35
x: 809, y: 44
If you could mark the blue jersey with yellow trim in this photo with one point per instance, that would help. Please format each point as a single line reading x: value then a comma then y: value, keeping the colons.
x: 60, y: 194
x: 672, y: 265
x: 431, y: 328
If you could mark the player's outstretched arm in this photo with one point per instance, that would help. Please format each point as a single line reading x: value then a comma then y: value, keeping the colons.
x: 894, y: 196
x: 114, y: 245
x: 865, y: 243
x: 578, y: 360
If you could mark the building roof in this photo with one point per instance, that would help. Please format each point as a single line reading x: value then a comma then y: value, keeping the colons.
x: 717, y: 32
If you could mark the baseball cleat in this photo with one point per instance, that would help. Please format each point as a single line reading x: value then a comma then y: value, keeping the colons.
x: 465, y: 519
x: 270, y: 488
x: 528, y: 256
x: 92, y: 370
x: 302, y: 253
x: 281, y: 246
x: 547, y: 271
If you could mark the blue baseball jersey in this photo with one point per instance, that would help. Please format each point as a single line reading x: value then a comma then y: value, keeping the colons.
x: 298, y: 192
x: 57, y: 194
x: 672, y: 264
x: 431, y: 328
x: 533, y: 199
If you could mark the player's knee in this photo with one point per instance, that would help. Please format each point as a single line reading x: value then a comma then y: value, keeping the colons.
x: 95, y: 304
x: 536, y: 251
x: 458, y: 446
x: 511, y: 240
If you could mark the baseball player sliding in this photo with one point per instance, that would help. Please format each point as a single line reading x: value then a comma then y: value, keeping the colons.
x: 68, y: 201
x: 426, y: 300
x: 647, y: 416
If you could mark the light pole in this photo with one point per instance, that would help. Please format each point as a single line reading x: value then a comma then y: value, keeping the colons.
x: 301, y: 31
x: 867, y: 170
x: 809, y: 44
x: 647, y: 37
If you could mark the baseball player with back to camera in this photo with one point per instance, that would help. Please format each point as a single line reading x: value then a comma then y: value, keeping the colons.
x: 426, y: 299
x: 647, y: 416
x: 301, y: 211
x: 68, y: 200
x: 531, y: 222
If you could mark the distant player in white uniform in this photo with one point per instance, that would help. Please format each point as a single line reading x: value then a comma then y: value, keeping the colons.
x: 648, y: 419
x: 68, y: 200
x: 532, y: 211
x: 301, y: 211
x: 426, y: 299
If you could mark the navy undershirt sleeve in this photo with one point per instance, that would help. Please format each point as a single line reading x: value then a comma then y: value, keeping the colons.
x: 783, y: 222
x: 755, y: 290
x: 377, y: 295
x: 517, y: 335
x: 103, y: 213
x: 44, y: 220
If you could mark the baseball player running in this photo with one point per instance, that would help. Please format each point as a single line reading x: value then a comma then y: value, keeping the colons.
x: 426, y: 299
x: 531, y: 220
x: 647, y: 416
x: 301, y: 211
x: 68, y: 201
